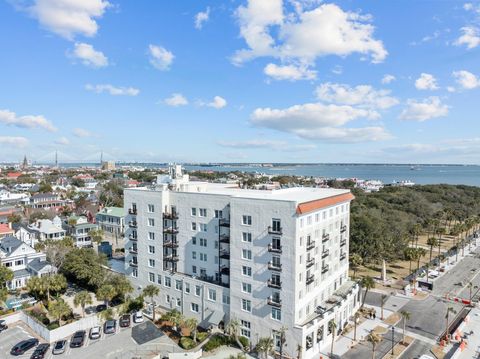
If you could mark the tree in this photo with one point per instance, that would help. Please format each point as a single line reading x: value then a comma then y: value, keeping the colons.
x: 432, y: 242
x: 366, y: 283
x: 46, y: 285
x: 233, y: 328
x: 59, y: 309
x: 6, y: 275
x: 57, y: 250
x: 106, y: 293
x: 383, y: 300
x: 409, y: 254
x: 45, y: 187
x: 122, y: 285
x: 356, y: 317
x: 84, y: 266
x: 151, y: 291
x: 81, y: 299
x: 420, y: 252
x: 332, y: 327
x: 406, y: 316
x: 14, y: 218
x: 355, y: 261
x: 449, y: 310
x: 106, y: 314
x: 441, y: 231
x: 97, y: 235
x: 191, y: 324
x: 374, y: 339
x: 265, y: 346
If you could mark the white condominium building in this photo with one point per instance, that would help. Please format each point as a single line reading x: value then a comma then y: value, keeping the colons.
x: 270, y: 259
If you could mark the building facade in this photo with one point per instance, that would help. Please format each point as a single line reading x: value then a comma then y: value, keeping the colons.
x: 271, y: 259
x: 112, y: 221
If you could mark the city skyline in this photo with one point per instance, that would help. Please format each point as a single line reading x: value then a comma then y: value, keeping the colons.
x: 239, y: 82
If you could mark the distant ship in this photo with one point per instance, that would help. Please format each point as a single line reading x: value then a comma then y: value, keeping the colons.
x: 414, y: 168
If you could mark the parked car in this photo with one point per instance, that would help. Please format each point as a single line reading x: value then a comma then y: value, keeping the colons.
x: 59, y: 347
x: 23, y: 346
x: 138, y: 317
x: 125, y: 321
x: 95, y: 333
x: 101, y: 307
x: 40, y: 351
x: 78, y: 339
x: 110, y: 326
x: 3, y: 326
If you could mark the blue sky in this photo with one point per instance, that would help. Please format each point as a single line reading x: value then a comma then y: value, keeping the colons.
x: 240, y: 81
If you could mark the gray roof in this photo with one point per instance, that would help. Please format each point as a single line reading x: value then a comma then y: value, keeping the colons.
x: 37, y: 265
x: 43, y: 195
x: 21, y: 273
x: 10, y: 242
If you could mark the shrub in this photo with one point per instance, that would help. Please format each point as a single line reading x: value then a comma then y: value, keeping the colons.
x: 243, y: 341
x: 187, y: 343
x: 201, y: 336
x: 215, y: 342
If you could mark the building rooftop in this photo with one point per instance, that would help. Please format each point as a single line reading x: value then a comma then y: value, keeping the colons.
x: 113, y: 211
x: 37, y: 265
x: 9, y: 244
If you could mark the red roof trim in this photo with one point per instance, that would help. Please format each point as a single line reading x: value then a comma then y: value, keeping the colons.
x: 306, y: 207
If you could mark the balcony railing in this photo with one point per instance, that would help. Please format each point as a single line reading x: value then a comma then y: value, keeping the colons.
x: 170, y: 230
x: 225, y: 255
x: 275, y: 266
x: 325, y: 237
x: 325, y: 268
x: 343, y: 242
x: 277, y: 230
x: 133, y: 264
x: 343, y: 228
x: 310, y: 262
x: 170, y: 216
x: 133, y: 250
x: 224, y: 238
x: 310, y: 279
x: 274, y: 302
x: 224, y: 222
x: 274, y: 284
x: 310, y: 245
x: 274, y: 249
x: 170, y: 258
x: 132, y: 237
x: 132, y: 211
x: 343, y: 256
x: 170, y: 244
x: 132, y: 224
x: 325, y: 253
x: 225, y: 270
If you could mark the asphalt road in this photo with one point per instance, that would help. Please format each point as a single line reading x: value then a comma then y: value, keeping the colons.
x: 364, y: 349
x: 416, y: 350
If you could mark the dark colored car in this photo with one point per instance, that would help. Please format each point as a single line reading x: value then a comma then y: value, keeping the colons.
x: 125, y: 321
x: 3, y: 326
x: 40, y: 351
x: 59, y: 347
x: 101, y: 307
x: 78, y: 339
x: 110, y: 326
x: 23, y: 346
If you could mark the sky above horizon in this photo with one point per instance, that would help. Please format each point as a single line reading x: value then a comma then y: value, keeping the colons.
x: 240, y: 81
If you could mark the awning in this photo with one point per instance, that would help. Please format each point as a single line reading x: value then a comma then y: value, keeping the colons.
x: 213, y: 319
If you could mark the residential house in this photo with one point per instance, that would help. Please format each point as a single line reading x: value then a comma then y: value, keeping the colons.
x: 6, y: 230
x: 46, y: 229
x: 80, y: 231
x: 112, y: 221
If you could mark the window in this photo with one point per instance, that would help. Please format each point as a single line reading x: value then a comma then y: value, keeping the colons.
x: 159, y: 279
x: 187, y: 288
x: 247, y: 237
x: 309, y: 220
x: 151, y: 236
x: 151, y: 277
x: 276, y: 225
x: 246, y: 305
x: 194, y: 307
x: 203, y: 242
x: 247, y: 254
x: 167, y: 299
x: 151, y: 263
x: 151, y: 222
x: 202, y: 212
x: 247, y: 220
x: 135, y: 273
x: 276, y: 313
x: 246, y: 288
x: 317, y: 217
x: 194, y: 226
x: 151, y: 249
x: 194, y: 240
x: 203, y: 257
x: 179, y: 302
x: 247, y: 271
x: 212, y: 295
x: 19, y: 262
x: 151, y: 208
x: 276, y: 262
x: 198, y: 290
x: 168, y: 282
x: 194, y: 255
x: 245, y: 324
x: 178, y: 285
x: 245, y: 333
x: 225, y: 299
x: 218, y: 214
x: 194, y: 269
x: 203, y: 227
x: 194, y: 212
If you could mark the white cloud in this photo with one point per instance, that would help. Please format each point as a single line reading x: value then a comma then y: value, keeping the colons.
x: 217, y: 102
x: 319, y: 122
x: 305, y: 35
x: 113, y: 90
x: 270, y: 144
x: 62, y: 141
x: 82, y: 133
x: 175, y: 100
x: 68, y: 18
x: 364, y: 96
x: 470, y: 37
x: 424, y: 110
x: 201, y: 18
x: 426, y: 82
x: 89, y: 56
x: 289, y: 72
x: 451, y: 89
x: 466, y: 79
x: 18, y: 142
x: 387, y: 78
x: 10, y: 118
x: 160, y: 58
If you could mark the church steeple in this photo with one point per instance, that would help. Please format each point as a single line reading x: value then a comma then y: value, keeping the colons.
x: 25, y: 162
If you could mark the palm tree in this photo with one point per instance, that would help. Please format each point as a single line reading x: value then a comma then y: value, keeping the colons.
x: 383, y: 300
x: 232, y: 329
x: 432, y: 242
x: 441, y: 231
x: 151, y: 291
x: 332, y: 327
x: 449, y: 310
x: 366, y: 283
x: 82, y: 299
x: 58, y: 310
x: 421, y: 252
x: 427, y: 269
x: 55, y: 283
x: 410, y: 256
x: 265, y: 346
x: 356, y: 316
x: 106, y: 314
x: 374, y: 338
x: 355, y: 261
x: 191, y: 324
x: 406, y: 316
x: 106, y: 293
x: 122, y: 286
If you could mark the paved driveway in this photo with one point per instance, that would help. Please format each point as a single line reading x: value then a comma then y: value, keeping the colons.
x: 9, y: 338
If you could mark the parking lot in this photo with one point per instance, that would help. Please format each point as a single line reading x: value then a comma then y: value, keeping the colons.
x: 110, y: 346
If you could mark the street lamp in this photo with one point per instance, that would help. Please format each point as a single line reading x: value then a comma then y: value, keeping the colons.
x: 393, y: 338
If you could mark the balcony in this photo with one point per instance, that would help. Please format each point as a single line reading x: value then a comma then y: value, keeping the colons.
x: 170, y: 216
x: 133, y: 264
x: 277, y: 230
x: 274, y: 302
x: 325, y: 268
x: 274, y: 284
x: 310, y: 279
x: 224, y: 238
x: 310, y: 262
x: 132, y: 211
x: 343, y: 242
x: 132, y: 237
x: 310, y: 245
x: 225, y: 255
x: 325, y: 237
x: 343, y: 256
x: 275, y: 266
x: 170, y: 244
x: 133, y: 250
x: 224, y: 222
x: 170, y: 230
x: 274, y: 249
x: 170, y: 258
x: 225, y: 270
x: 132, y: 224
x: 343, y: 228
x: 325, y: 253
